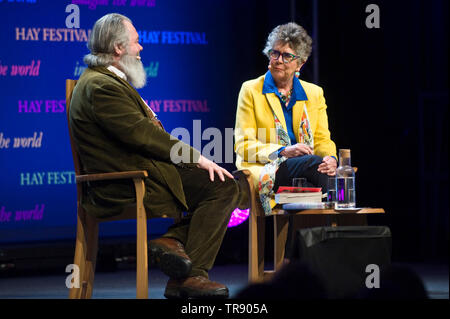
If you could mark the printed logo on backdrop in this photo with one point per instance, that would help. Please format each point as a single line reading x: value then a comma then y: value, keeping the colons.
x: 31, y: 69
x: 176, y: 106
x: 46, y: 34
x: 47, y: 178
x: 41, y: 106
x: 34, y: 141
x: 93, y: 4
x: 72, y: 29
x: 21, y: 215
x: 19, y: 1
x: 51, y: 34
x: 172, y: 37
x: 167, y: 106
x: 151, y: 68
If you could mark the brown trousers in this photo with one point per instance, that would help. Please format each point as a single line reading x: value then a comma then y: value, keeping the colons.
x: 205, y: 223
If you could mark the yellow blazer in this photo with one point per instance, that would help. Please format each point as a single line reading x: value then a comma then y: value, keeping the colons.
x: 255, y: 137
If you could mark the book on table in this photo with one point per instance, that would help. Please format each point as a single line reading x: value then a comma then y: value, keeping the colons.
x: 298, y: 195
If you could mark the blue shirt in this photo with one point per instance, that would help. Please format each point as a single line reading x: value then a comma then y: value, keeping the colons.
x: 298, y: 94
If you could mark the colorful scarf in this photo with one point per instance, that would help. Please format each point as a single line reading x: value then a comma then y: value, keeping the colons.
x: 267, y: 176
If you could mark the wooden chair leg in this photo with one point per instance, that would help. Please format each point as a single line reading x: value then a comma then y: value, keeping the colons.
x: 256, y: 248
x: 280, y: 232
x: 91, y: 256
x: 85, y: 254
x: 256, y: 234
x: 141, y: 243
x: 80, y: 256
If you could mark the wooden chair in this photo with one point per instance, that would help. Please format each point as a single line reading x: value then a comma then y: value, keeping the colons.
x: 303, y: 219
x: 87, y: 225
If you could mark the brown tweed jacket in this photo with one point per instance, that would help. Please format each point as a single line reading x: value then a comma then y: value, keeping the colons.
x: 114, y: 131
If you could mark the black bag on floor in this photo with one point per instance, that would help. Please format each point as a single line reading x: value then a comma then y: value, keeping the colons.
x: 344, y: 257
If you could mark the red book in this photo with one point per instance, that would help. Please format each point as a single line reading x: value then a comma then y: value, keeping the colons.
x: 292, y: 189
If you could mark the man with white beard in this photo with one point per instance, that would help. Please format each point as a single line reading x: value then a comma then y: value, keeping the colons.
x: 114, y: 130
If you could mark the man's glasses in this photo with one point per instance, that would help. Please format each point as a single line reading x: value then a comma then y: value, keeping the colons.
x: 286, y: 57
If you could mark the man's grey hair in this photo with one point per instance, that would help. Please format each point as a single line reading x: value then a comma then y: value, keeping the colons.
x: 292, y: 34
x: 109, y: 31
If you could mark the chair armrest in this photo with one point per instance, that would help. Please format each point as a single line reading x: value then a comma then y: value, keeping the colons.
x: 109, y: 176
x: 241, y: 172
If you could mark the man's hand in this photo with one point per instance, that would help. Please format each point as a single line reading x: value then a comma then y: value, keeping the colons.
x: 295, y: 150
x: 328, y: 166
x: 212, y: 167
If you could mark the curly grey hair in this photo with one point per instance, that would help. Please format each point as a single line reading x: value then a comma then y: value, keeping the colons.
x: 107, y: 32
x: 292, y: 34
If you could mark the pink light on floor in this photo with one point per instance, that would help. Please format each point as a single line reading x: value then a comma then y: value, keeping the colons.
x: 238, y: 217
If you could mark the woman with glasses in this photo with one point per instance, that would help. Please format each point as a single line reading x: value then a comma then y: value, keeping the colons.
x: 281, y: 122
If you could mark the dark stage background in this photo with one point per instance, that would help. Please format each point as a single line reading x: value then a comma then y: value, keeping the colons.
x: 386, y: 91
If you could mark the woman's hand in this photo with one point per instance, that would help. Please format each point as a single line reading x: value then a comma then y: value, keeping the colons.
x: 212, y: 168
x: 295, y: 150
x: 328, y: 166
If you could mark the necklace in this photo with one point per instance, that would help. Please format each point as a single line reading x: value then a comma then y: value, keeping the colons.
x: 287, y: 97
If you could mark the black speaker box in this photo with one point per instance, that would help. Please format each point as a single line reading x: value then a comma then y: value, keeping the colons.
x: 340, y: 256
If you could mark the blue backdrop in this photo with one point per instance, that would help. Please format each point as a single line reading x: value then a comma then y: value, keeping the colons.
x: 386, y: 91
x: 183, y: 44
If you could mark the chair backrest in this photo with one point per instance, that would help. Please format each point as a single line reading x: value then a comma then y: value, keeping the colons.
x: 70, y: 85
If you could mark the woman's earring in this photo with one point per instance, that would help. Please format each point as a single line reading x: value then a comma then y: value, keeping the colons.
x: 297, y: 74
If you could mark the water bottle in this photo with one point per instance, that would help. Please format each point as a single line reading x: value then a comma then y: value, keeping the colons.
x: 345, y: 181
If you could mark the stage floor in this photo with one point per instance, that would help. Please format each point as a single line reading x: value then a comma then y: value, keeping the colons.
x: 120, y: 284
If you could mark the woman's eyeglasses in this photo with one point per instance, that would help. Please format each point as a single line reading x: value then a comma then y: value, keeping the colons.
x: 286, y: 57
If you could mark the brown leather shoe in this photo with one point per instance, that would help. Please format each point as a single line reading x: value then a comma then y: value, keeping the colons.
x: 169, y: 255
x: 195, y: 287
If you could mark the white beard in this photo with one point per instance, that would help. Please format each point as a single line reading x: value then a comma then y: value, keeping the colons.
x: 134, y: 70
